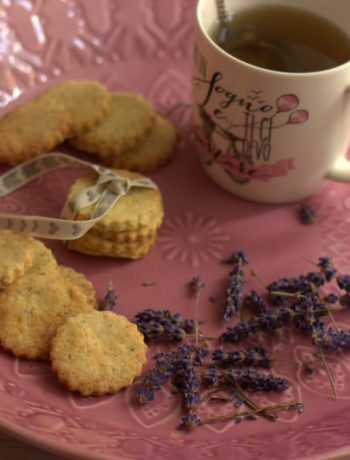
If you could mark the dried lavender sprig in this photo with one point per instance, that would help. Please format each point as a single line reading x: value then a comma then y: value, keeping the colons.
x: 305, y: 283
x: 186, y: 380
x: 234, y: 293
x: 304, y: 315
x: 255, y: 356
x: 155, y: 378
x: 164, y: 317
x: 168, y: 332
x: 109, y: 300
x: 151, y: 331
x: 163, y: 325
x: 253, y: 380
x: 270, y: 320
x: 300, y: 284
x: 331, y: 341
x: 246, y: 378
x: 165, y: 365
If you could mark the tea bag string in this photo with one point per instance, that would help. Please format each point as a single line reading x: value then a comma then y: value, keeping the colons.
x: 107, y: 190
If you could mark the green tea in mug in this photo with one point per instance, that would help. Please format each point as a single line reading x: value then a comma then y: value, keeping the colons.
x: 283, y: 38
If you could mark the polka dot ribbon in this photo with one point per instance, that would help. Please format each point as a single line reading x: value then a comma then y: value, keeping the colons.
x: 107, y: 190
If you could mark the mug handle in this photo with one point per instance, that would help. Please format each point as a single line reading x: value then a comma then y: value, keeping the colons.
x: 340, y: 170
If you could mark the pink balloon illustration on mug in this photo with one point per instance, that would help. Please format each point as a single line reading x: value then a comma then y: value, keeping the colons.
x: 287, y: 102
x: 297, y: 117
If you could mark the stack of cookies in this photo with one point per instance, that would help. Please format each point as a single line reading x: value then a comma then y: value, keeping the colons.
x: 121, y: 129
x: 66, y: 110
x: 132, y: 136
x: 129, y: 230
x: 48, y: 311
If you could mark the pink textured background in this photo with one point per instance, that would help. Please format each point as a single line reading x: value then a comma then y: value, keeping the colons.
x: 146, y: 46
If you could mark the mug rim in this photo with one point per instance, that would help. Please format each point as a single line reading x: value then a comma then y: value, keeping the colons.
x: 279, y: 73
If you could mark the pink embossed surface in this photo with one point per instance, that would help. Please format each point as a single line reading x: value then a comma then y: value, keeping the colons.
x: 145, y: 46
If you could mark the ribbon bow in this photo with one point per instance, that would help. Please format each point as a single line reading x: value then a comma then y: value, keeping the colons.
x: 107, y: 190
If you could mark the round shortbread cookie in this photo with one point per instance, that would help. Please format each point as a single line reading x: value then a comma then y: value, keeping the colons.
x: 32, y: 129
x: 98, y: 353
x: 129, y: 119
x: 17, y: 254
x: 86, y: 101
x: 93, y: 245
x: 32, y: 308
x: 43, y: 261
x: 78, y: 279
x: 151, y: 152
x: 140, y: 209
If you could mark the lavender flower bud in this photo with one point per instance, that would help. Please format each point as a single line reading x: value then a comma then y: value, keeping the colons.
x: 199, y: 355
x: 238, y: 257
x: 210, y: 376
x: 196, y: 284
x: 109, y: 301
x: 327, y: 268
x: 306, y: 214
x: 256, y: 301
x: 343, y: 282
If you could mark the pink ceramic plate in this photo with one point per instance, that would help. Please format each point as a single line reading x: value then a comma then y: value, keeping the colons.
x: 145, y: 46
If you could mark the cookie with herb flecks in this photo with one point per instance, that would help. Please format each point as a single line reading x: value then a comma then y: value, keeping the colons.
x: 98, y: 353
x: 152, y: 151
x: 79, y: 280
x: 129, y: 119
x: 17, y: 255
x: 31, y: 310
x: 43, y: 261
x: 87, y: 103
x: 32, y: 129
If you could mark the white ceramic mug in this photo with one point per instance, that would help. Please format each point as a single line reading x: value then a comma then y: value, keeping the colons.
x: 265, y: 135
